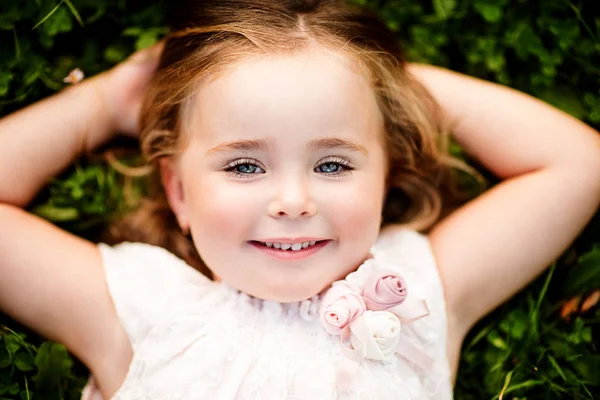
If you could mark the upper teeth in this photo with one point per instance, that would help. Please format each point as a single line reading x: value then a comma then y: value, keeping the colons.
x: 287, y: 246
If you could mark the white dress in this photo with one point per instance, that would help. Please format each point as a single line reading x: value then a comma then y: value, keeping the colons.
x: 197, y: 339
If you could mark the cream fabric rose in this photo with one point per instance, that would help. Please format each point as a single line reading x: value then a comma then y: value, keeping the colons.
x: 378, y: 338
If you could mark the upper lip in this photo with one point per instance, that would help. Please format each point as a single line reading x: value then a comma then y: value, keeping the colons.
x: 293, y: 240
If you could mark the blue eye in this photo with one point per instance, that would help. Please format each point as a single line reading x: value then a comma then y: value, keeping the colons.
x: 334, y: 166
x: 244, y: 167
x: 330, y: 167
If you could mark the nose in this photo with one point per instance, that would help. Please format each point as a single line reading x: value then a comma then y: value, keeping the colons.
x: 292, y: 199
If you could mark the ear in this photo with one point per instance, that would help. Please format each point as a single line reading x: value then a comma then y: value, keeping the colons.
x: 171, y: 181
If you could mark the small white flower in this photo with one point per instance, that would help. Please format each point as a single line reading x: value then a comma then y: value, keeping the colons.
x: 74, y: 76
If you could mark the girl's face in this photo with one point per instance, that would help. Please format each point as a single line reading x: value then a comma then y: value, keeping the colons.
x: 282, y: 150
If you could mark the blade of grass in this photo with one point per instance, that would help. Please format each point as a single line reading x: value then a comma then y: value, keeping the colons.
x: 27, y: 389
x: 17, y: 45
x: 526, y: 384
x: 558, y: 388
x: 534, y: 316
x: 482, y: 333
x: 581, y: 20
x: 48, y: 15
x: 74, y: 12
x: 545, y: 288
x: 506, y: 382
x: 587, y: 391
x: 556, y: 367
x: 17, y: 99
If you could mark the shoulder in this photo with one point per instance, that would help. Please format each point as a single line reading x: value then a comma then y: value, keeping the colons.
x: 410, y: 252
x: 142, y: 281
x: 147, y: 262
x: 405, y: 244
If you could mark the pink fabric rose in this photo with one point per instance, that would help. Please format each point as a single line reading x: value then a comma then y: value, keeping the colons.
x: 340, y: 306
x: 384, y: 289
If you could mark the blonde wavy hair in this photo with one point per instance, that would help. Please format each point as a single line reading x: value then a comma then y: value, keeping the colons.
x: 208, y: 36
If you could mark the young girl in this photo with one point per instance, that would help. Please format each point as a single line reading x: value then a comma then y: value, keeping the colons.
x: 287, y: 134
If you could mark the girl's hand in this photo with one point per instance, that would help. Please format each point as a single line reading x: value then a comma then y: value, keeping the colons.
x: 122, y: 88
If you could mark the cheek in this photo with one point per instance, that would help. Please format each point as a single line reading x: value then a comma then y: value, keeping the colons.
x: 220, y: 212
x: 356, y: 209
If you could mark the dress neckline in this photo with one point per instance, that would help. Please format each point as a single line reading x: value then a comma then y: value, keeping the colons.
x: 307, y: 309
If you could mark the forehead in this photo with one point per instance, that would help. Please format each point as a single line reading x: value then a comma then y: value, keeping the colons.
x: 314, y: 92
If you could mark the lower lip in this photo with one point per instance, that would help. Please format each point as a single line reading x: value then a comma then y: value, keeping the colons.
x: 291, y: 254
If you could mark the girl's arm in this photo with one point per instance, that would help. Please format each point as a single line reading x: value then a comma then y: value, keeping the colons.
x: 550, y: 162
x: 51, y: 280
x: 39, y: 141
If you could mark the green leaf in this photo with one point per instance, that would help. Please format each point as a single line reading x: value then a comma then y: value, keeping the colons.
x: 444, y: 8
x: 515, y: 324
x: 586, y: 275
x: 115, y: 54
x: 12, y: 343
x: 588, y: 366
x: 59, y: 22
x: 490, y: 12
x: 54, y: 364
x: 524, y: 40
x: 5, y: 79
x: 496, y: 340
x: 9, y: 389
x: 146, y: 39
x: 8, y: 18
x: 565, y: 99
x: 495, y: 62
x: 31, y: 74
x: 559, y: 347
x: 56, y: 214
x: 14, y: 388
x: 24, y: 361
x: 5, y: 358
x: 46, y: 41
x: 132, y: 31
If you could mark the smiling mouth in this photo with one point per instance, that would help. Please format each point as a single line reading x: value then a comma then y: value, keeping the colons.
x: 289, y: 247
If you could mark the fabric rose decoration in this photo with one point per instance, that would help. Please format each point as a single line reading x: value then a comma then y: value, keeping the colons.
x: 384, y: 289
x: 380, y: 338
x: 367, y: 311
x: 340, y: 307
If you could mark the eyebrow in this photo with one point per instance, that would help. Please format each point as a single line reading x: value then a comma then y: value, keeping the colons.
x: 326, y: 143
x: 332, y: 143
x: 240, y: 145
